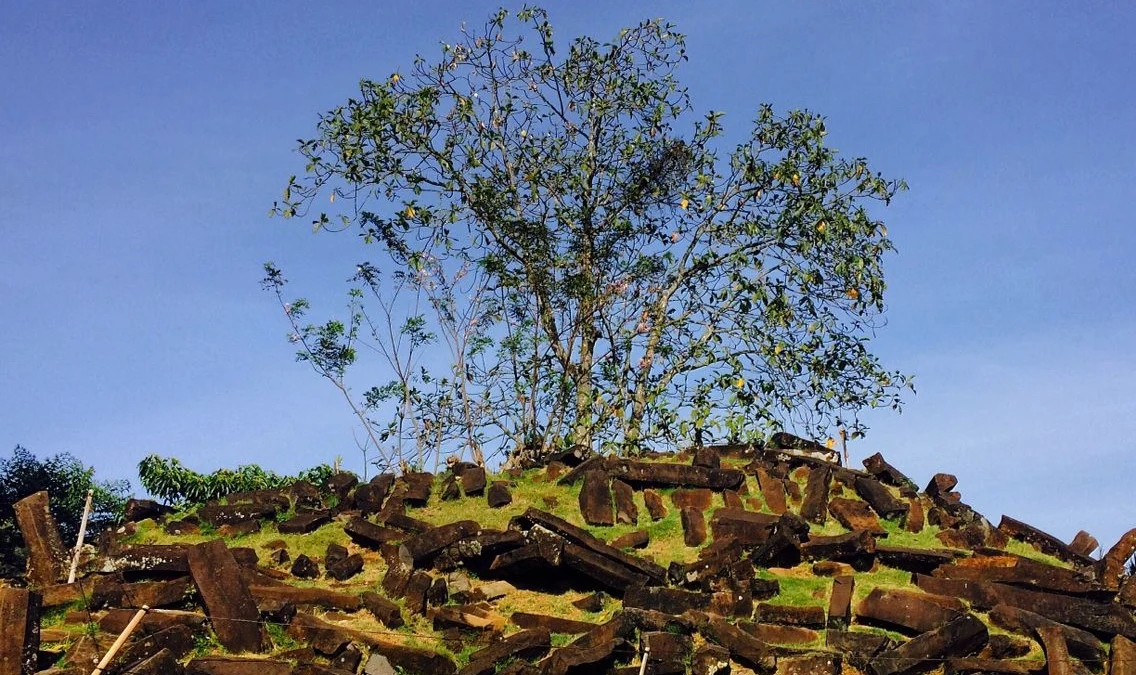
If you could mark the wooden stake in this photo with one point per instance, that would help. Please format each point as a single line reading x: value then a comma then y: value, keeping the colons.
x: 121, y: 640
x: 643, y: 665
x: 79, y: 541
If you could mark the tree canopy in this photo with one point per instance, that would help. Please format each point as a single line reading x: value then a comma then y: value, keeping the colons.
x: 598, y: 263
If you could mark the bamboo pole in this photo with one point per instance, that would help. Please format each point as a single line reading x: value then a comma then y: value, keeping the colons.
x: 79, y: 541
x: 121, y: 640
x: 643, y: 664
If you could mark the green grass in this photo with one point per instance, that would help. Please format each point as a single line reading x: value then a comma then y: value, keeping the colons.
x: 1027, y: 551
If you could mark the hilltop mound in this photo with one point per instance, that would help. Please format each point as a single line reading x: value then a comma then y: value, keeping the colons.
x: 733, y: 559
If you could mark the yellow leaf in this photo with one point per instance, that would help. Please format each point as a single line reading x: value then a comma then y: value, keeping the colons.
x: 777, y: 348
x: 820, y: 226
x: 739, y: 383
x: 829, y: 442
x: 394, y: 78
x: 410, y: 212
x: 796, y: 179
x: 883, y: 230
x: 683, y: 202
x: 332, y: 197
x: 853, y: 293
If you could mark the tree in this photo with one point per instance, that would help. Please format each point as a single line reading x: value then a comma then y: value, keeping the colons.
x: 641, y: 280
x: 66, y: 480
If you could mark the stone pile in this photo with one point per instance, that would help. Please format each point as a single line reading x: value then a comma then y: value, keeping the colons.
x: 753, y: 519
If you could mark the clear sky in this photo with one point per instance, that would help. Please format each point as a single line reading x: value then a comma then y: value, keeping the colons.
x: 142, y: 144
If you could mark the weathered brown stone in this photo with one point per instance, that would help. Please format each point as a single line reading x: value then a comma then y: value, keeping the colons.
x: 858, y: 649
x: 46, y: 556
x: 906, y: 611
x: 655, y: 506
x: 672, y: 601
x: 855, y: 515
x: 384, y: 610
x: 880, y: 498
x: 810, y: 664
x: 1127, y: 593
x: 1056, y: 651
x: 420, y: 549
x: 177, y: 640
x: 749, y: 528
x: 852, y: 547
x: 108, y: 592
x: 743, y: 647
x: 961, y: 636
x: 306, y: 597
x: 989, y: 666
x: 304, y: 567
x: 473, y: 481
x: 141, y: 509
x: 886, y: 473
x: 710, y: 659
x: 366, y: 533
x: 695, y: 498
x: 418, y: 485
x: 236, y: 665
x: 814, y: 504
x: 581, y: 537
x: 661, y: 474
x: 809, y: 616
x: 162, y: 663
x: 303, y: 523
x: 344, y: 568
x: 115, y: 620
x: 840, y: 603
x: 1043, y: 541
x: 595, y: 499
x: 526, y: 644
x: 1003, y: 646
x: 707, y: 457
x: 228, y: 603
x: 370, y: 496
x: 1084, y: 543
x: 921, y: 560
x: 1111, y: 566
x: 830, y: 568
x: 775, y: 634
x: 665, y: 653
x: 450, y: 490
x: 634, y: 539
x: 772, y: 491
x: 554, y: 624
x: 146, y: 558
x: 499, y: 495
x: 625, y: 510
x: 593, y: 659
x: 914, y: 520
x: 785, y: 442
x: 1082, y: 644
x: 693, y: 526
x: 20, y: 634
x: 417, y: 587
x: 603, y: 570
x: 1122, y: 656
x: 227, y: 514
x: 1019, y: 571
x: 593, y: 602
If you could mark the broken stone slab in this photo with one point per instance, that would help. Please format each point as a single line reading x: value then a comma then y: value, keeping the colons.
x: 999, y: 566
x: 227, y: 514
x: 553, y: 624
x: 665, y: 653
x: 115, y: 621
x: 886, y: 473
x: 593, y: 463
x: 1122, y: 656
x: 1056, y: 651
x: 857, y: 648
x: 852, y: 547
x: 880, y: 498
x: 422, y: 548
x: 236, y: 665
x: 526, y: 644
x: 782, y: 548
x: 478, y: 617
x: 304, y: 567
x: 649, y: 474
x: 710, y: 659
x: 921, y: 560
x: 498, y: 495
x: 162, y: 663
x: 776, y: 634
x: 1082, y: 644
x: 417, y: 587
x: 1084, y: 543
x: 772, y: 490
x: 146, y: 558
x: 855, y: 515
x: 581, y: 537
x: 1042, y: 541
x: 633, y: 539
x: 1003, y: 646
x: 906, y: 611
x: 383, y: 609
x: 961, y: 636
x: 227, y: 601
x: 743, y: 647
x: 840, y: 603
x: 814, y: 504
x: 602, y: 570
x: 20, y: 637
x: 110, y: 593
x: 749, y: 528
x: 303, y: 523
x: 370, y: 497
x: 1111, y: 566
x: 594, y: 659
x: 366, y: 533
x: 787, y: 443
x: 809, y: 616
x: 323, y: 598
x: 340, y: 484
x: 990, y: 666
x: 596, y: 500
x: 693, y: 526
x: 914, y: 520
x: 46, y: 555
x: 625, y: 510
x: 655, y: 506
x: 344, y: 568
x: 141, y: 509
x: 708, y: 457
x: 672, y: 601
x: 177, y: 640
x: 695, y: 498
x: 473, y: 481
x: 810, y: 664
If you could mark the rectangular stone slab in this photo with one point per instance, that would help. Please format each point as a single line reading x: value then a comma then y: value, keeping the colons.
x: 881, y: 500
x: 420, y: 548
x: 908, y: 611
x: 583, y: 538
x: 814, y: 504
x: 554, y: 624
x: 46, y: 554
x: 236, y: 665
x: 1019, y: 571
x: 772, y: 491
x: 886, y: 473
x: 1043, y: 541
x: 146, y: 558
x: 19, y: 631
x: 921, y: 560
x: 661, y: 474
x: 525, y: 644
x: 962, y: 636
x: 228, y: 603
x: 840, y: 603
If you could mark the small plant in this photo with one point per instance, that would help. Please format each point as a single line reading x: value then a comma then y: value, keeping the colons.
x: 280, y: 638
x: 167, y: 479
x: 206, y: 643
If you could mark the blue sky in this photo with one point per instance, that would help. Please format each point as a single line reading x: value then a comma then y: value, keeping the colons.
x: 144, y: 142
